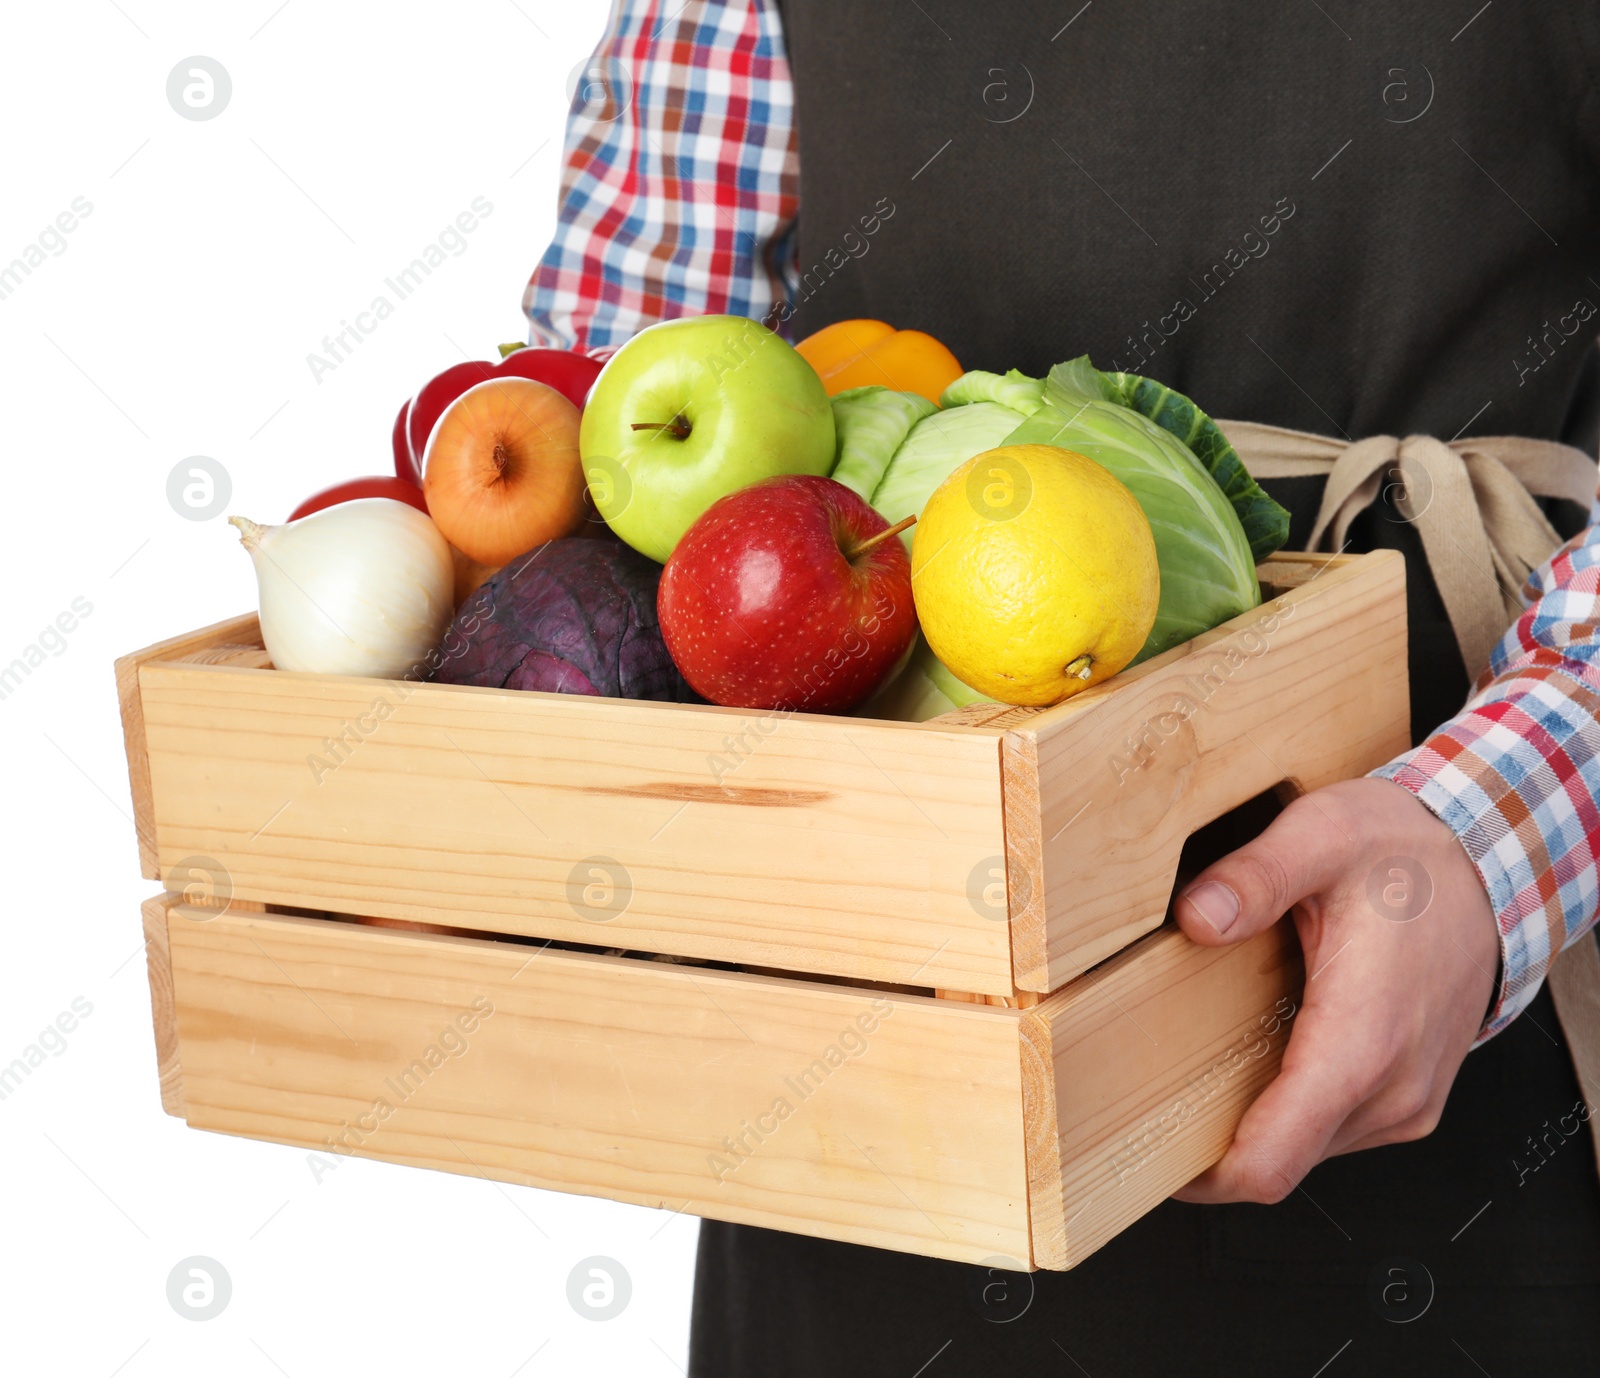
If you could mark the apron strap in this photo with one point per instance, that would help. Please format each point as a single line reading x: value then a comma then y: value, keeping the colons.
x: 1472, y: 503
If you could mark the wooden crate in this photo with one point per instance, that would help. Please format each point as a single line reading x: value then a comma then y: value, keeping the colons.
x: 880, y: 1117
x: 875, y: 1025
x: 997, y: 853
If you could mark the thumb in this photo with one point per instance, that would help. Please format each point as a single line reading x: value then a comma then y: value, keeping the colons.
x: 1302, y: 853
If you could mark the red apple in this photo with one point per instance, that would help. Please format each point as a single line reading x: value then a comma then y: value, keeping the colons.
x: 789, y: 594
x: 569, y: 374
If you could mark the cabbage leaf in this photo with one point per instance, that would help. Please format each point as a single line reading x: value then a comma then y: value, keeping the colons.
x: 1266, y: 524
x: 870, y: 423
x: 1014, y: 389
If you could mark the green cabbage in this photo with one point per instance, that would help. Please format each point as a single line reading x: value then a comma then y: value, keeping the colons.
x: 870, y: 423
x: 1208, y: 573
x: 936, y: 446
x: 1266, y: 525
x: 1210, y: 519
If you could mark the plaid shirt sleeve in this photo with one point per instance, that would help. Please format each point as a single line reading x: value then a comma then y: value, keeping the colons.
x: 679, y: 188
x: 1516, y: 774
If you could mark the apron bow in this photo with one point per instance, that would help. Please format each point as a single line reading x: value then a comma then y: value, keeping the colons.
x: 1471, y: 502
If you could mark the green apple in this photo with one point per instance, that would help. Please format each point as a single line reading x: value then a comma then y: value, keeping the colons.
x: 691, y: 410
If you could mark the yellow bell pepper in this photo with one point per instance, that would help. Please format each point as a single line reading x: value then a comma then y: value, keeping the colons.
x: 856, y: 354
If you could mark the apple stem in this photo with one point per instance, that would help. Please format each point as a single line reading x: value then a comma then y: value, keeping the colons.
x: 856, y: 551
x: 679, y: 426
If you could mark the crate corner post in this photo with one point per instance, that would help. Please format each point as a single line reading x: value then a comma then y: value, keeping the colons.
x: 157, y: 911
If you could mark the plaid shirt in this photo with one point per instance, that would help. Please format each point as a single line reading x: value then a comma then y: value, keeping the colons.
x: 681, y: 180
x: 679, y: 197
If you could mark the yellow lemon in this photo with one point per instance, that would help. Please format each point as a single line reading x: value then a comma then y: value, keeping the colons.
x: 1034, y: 573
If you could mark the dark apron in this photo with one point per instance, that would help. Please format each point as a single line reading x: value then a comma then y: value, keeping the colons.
x: 1052, y: 196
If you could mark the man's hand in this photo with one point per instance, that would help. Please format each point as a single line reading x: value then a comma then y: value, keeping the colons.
x: 1401, y: 951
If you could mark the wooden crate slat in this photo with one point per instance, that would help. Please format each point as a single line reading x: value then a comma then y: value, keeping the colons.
x: 163, y: 1011
x: 838, y: 846
x: 611, y: 1077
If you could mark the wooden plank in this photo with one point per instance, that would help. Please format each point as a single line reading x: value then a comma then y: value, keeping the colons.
x: 240, y: 630
x: 1136, y: 1076
x: 1102, y: 791
x: 155, y: 912
x: 995, y: 716
x: 804, y: 842
x: 893, y: 1121
x: 163, y: 1015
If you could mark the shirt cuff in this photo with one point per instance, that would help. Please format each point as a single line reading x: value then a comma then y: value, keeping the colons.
x: 1516, y: 776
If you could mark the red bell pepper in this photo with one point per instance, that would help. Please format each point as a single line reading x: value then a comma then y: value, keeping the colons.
x: 375, y: 486
x: 569, y: 374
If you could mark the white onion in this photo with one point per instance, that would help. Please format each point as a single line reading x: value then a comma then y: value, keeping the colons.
x: 361, y: 588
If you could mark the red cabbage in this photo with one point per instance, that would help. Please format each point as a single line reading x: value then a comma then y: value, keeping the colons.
x: 574, y: 616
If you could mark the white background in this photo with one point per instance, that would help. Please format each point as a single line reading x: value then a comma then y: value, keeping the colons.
x: 177, y: 322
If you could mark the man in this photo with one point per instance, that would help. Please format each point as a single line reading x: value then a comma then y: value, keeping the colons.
x: 1338, y: 221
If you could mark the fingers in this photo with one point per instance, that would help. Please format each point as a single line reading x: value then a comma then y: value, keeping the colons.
x: 1302, y: 852
x: 1289, y: 1128
x: 1390, y: 1005
x: 1407, y: 1131
x: 1399, y: 1115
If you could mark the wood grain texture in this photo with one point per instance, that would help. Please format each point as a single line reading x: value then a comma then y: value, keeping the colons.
x: 611, y: 1077
x: 163, y: 1014
x: 1102, y: 791
x: 251, y: 657
x: 1136, y: 1076
x: 991, y: 715
x: 241, y: 631
x: 805, y: 843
